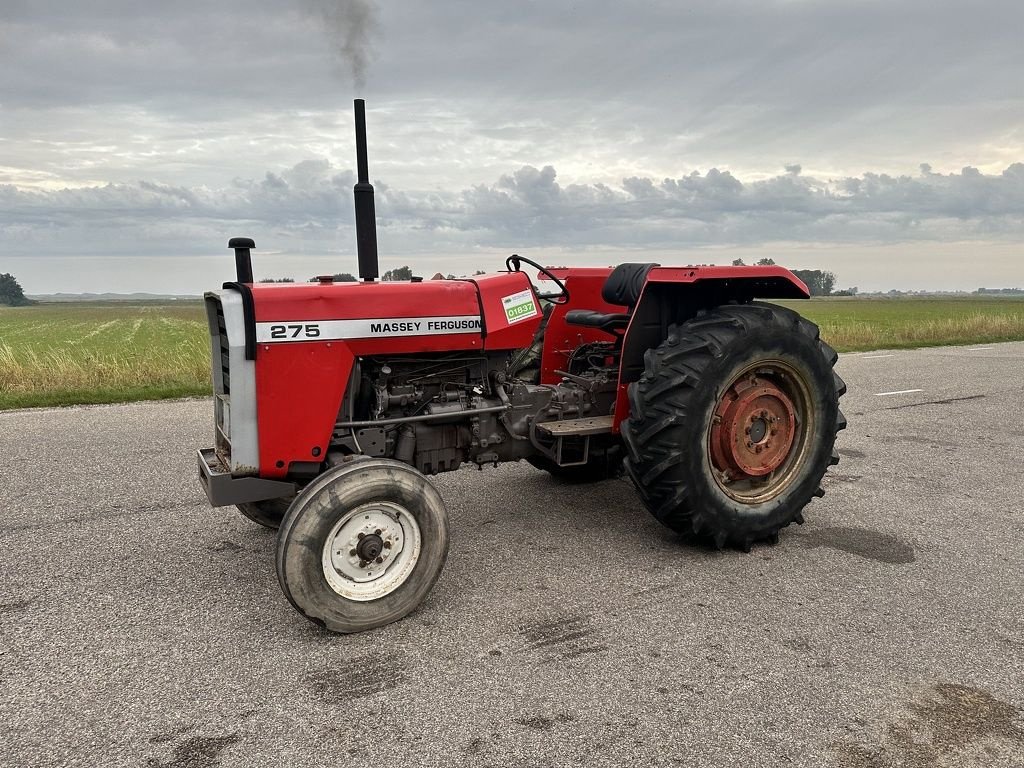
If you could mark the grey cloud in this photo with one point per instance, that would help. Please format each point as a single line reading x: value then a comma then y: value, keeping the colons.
x: 743, y: 82
x: 309, y: 205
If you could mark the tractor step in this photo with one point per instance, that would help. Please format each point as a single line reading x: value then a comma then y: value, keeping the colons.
x: 592, y: 425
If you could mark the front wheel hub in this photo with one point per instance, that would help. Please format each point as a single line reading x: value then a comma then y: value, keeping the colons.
x: 370, y: 547
x: 371, y: 551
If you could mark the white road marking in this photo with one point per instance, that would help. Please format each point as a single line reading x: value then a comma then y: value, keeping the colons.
x: 978, y: 349
x: 898, y: 392
x: 875, y: 357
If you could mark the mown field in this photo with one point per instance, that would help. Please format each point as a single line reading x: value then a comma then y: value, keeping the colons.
x: 103, y: 352
x: 860, y: 323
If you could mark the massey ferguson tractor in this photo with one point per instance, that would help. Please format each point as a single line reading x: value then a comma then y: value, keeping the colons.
x: 334, y: 403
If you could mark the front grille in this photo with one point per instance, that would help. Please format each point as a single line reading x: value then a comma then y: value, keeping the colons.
x: 220, y: 362
x: 221, y: 352
x: 225, y: 356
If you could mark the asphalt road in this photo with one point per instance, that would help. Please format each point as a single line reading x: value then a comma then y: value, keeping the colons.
x: 140, y: 627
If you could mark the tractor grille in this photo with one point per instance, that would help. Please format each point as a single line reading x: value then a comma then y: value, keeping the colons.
x: 225, y: 358
x: 221, y: 356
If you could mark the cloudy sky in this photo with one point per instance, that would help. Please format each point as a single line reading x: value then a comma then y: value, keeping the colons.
x: 881, y: 140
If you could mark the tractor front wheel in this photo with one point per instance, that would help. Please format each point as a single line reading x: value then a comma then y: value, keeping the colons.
x: 733, y: 423
x: 361, y: 546
x: 268, y: 513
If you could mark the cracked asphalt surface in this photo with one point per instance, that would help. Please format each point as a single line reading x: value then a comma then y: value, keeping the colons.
x: 138, y: 626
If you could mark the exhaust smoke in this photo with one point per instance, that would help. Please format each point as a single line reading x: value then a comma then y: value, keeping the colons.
x: 349, y: 26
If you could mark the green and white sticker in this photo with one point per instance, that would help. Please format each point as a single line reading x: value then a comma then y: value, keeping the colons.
x: 519, y: 306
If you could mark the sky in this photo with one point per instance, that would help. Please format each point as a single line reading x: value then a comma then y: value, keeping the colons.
x: 882, y: 141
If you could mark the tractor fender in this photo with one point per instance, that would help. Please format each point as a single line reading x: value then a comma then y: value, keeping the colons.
x: 675, y: 294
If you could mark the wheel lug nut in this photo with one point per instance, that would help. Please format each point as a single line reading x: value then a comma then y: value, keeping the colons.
x: 377, y: 531
x: 361, y: 535
x: 747, y: 430
x: 387, y: 544
x: 379, y: 560
x: 352, y: 553
x: 362, y: 563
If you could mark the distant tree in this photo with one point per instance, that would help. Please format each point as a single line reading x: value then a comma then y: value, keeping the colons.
x: 479, y: 272
x: 818, y: 282
x: 11, y: 293
x: 738, y: 263
x: 450, y: 277
x: 277, y: 280
x: 828, y: 281
x: 766, y: 262
x: 398, y: 273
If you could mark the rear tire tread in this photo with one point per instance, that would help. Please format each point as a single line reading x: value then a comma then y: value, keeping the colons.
x: 664, y: 399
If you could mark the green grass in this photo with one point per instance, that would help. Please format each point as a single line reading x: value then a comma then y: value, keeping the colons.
x: 857, y: 324
x: 107, y: 352
x: 102, y: 352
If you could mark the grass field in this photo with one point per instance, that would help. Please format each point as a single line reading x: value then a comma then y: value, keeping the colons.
x: 104, y: 352
x: 856, y: 324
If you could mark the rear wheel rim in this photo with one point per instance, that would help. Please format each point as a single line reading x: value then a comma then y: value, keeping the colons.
x: 371, y: 551
x: 760, y: 432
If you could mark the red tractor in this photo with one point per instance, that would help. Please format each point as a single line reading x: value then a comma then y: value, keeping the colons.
x: 334, y: 402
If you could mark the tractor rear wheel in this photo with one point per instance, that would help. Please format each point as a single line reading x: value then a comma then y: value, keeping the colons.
x: 266, y: 513
x: 733, y: 423
x: 362, y: 545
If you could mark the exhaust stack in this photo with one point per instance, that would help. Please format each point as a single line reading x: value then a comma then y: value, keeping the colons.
x: 366, y: 218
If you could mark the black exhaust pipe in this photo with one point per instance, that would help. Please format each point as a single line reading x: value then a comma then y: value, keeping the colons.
x: 366, y: 218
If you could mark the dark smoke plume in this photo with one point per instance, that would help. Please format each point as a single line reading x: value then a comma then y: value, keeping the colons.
x: 349, y: 25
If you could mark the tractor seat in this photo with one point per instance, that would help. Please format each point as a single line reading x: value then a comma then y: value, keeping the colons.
x: 623, y: 287
x: 606, y: 321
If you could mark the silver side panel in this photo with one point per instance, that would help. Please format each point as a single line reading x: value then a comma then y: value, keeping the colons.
x: 237, y: 439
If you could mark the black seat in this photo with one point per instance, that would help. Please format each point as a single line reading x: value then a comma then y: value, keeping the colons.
x: 623, y: 287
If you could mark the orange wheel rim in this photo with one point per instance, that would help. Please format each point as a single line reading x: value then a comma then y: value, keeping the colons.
x: 759, y: 431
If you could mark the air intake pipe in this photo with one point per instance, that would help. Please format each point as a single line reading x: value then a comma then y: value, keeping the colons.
x: 366, y: 219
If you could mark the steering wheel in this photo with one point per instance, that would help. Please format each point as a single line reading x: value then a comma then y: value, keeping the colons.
x: 562, y: 297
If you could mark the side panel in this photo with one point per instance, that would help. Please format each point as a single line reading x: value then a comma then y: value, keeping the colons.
x: 299, y: 387
x: 511, y: 310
